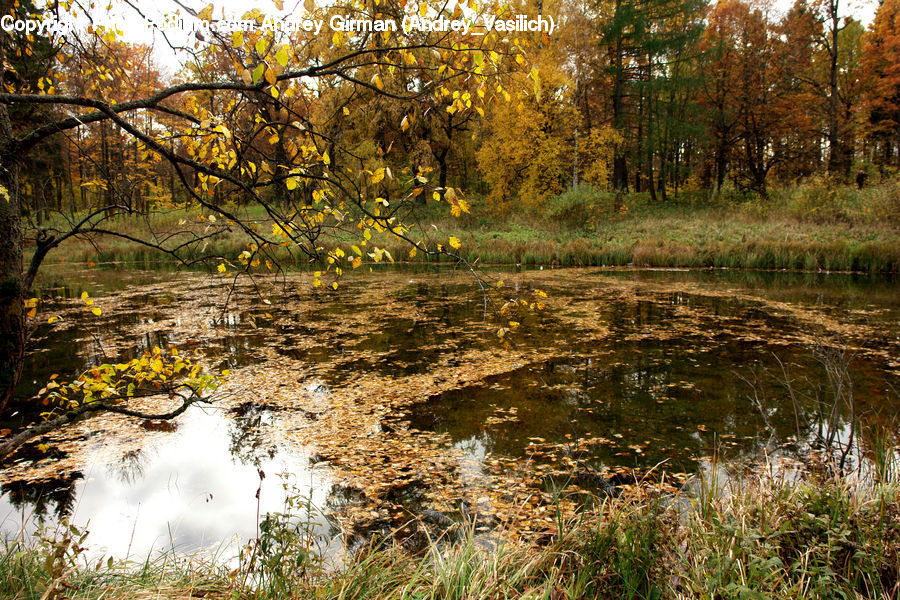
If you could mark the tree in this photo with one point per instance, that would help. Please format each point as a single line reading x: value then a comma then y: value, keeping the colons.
x: 881, y: 65
x: 719, y: 98
x: 648, y: 43
x: 245, y: 120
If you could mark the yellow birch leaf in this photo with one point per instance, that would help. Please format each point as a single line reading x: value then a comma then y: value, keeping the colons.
x: 258, y: 72
x: 282, y: 56
x: 206, y: 13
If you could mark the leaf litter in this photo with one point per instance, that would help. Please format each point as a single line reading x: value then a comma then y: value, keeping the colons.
x: 344, y: 371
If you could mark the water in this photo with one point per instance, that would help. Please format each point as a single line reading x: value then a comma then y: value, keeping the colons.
x: 392, y: 397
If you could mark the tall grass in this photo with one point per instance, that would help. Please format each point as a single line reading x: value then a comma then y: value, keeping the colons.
x: 767, y: 537
x: 810, y: 227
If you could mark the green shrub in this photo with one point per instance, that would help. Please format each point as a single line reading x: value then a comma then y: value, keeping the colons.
x: 579, y: 207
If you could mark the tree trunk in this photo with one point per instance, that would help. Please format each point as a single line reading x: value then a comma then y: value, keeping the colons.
x: 620, y: 166
x: 721, y: 161
x: 12, y: 314
x: 835, y: 149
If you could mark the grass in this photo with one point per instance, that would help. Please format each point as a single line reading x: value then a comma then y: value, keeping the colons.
x: 805, y: 227
x: 769, y: 537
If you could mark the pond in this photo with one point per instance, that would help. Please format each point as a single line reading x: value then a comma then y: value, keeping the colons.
x: 393, y: 403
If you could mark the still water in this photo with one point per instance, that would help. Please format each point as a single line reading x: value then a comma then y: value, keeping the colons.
x: 394, y: 397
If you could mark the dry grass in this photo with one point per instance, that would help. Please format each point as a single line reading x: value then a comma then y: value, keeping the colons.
x: 767, y: 537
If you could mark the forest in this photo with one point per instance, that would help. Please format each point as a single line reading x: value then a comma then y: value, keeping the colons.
x: 297, y: 301
x: 659, y: 97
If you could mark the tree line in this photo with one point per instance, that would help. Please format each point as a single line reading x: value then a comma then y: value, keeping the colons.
x: 647, y: 96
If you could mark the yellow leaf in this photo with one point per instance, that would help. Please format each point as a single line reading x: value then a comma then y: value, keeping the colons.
x: 282, y: 57
x: 404, y: 124
x: 221, y: 268
x: 279, y: 4
x: 412, y: 252
x: 206, y: 13
x: 52, y: 320
x: 31, y: 313
x: 258, y: 72
x: 97, y: 312
x: 84, y: 295
x: 346, y: 111
x: 334, y: 285
x: 237, y: 39
x: 455, y: 242
x: 357, y: 261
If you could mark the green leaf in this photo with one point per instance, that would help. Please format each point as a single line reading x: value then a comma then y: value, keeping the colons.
x: 258, y: 72
x: 282, y: 57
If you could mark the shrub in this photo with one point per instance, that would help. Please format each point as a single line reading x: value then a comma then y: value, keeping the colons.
x: 578, y: 207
